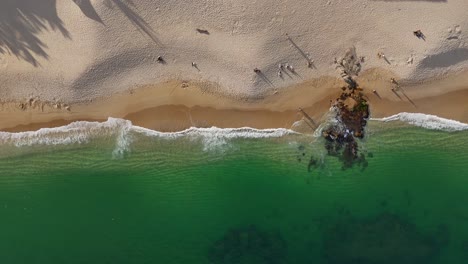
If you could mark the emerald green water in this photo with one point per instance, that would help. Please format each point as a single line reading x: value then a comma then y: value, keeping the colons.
x: 171, y: 200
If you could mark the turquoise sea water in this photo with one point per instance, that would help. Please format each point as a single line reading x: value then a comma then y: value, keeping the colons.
x: 140, y: 198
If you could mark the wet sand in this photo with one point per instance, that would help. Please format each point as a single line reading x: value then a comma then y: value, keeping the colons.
x: 176, y: 105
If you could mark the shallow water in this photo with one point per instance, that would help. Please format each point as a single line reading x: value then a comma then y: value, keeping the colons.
x: 145, y: 198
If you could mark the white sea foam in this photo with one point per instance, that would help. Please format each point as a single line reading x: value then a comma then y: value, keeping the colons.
x: 83, y: 131
x: 215, y: 132
x: 215, y: 138
x: 76, y: 132
x: 426, y: 121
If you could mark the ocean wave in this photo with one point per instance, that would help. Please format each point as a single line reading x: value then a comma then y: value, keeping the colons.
x: 215, y: 138
x: 83, y: 131
x: 228, y: 133
x: 426, y: 121
x: 76, y: 132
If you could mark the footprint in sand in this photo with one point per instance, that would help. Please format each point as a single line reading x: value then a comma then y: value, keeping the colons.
x: 454, y: 33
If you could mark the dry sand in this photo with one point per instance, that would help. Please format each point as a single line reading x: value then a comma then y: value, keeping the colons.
x: 91, y: 54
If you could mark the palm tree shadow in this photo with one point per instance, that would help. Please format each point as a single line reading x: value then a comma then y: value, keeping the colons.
x: 21, y: 21
x: 137, y: 20
x: 88, y: 10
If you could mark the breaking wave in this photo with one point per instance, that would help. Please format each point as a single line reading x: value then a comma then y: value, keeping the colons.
x: 215, y: 137
x: 124, y: 132
x: 426, y: 121
x: 83, y: 131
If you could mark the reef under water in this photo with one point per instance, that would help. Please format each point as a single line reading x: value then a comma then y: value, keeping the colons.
x: 249, y: 245
x: 384, y: 239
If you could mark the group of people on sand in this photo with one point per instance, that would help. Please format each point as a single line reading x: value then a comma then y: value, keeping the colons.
x: 418, y: 33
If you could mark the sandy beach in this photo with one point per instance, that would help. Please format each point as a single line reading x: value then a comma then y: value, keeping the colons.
x: 176, y: 105
x: 170, y: 66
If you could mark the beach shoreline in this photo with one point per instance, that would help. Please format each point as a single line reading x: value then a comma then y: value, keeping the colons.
x: 171, y: 65
x: 176, y: 105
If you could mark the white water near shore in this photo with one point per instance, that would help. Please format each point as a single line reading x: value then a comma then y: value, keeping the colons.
x: 84, y: 131
x: 426, y: 121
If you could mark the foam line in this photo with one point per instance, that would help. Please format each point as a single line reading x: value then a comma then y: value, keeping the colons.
x: 76, y: 132
x: 82, y: 131
x: 228, y: 133
x: 426, y: 121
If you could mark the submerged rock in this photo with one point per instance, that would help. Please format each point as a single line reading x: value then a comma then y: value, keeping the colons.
x: 248, y: 245
x: 385, y: 239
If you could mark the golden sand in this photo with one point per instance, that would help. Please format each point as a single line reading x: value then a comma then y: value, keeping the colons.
x: 176, y: 105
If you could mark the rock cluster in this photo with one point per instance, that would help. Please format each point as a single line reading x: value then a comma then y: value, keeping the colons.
x: 352, y: 112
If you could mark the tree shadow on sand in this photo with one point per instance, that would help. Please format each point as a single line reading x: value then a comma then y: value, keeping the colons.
x: 88, y: 10
x: 137, y: 20
x: 21, y: 21
x: 127, y: 7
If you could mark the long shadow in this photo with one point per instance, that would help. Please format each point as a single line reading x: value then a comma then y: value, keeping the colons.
x: 445, y: 59
x: 88, y: 10
x: 265, y: 79
x: 386, y: 60
x: 397, y: 94
x: 377, y: 94
x: 409, y: 99
x: 21, y: 21
x: 297, y: 74
x: 309, y: 61
x: 307, y: 116
x: 287, y: 73
x: 137, y: 20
